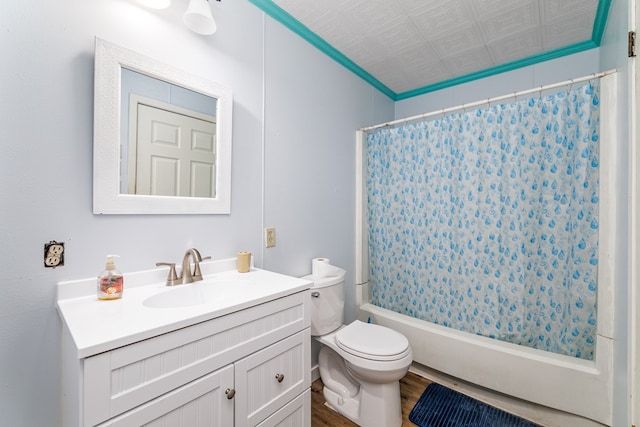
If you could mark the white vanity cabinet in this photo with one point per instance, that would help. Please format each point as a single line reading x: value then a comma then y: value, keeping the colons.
x: 246, y: 368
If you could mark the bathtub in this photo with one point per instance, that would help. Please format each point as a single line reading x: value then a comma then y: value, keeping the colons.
x: 561, y: 382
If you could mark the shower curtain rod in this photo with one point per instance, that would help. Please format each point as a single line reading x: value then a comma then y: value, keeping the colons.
x: 490, y: 100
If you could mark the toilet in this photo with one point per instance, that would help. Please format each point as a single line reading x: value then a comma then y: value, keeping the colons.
x: 360, y: 363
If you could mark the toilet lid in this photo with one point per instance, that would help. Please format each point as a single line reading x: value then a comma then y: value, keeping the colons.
x: 372, y: 341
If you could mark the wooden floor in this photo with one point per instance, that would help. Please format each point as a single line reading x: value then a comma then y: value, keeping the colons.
x: 411, y: 388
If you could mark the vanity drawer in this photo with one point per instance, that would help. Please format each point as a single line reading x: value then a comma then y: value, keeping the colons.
x: 268, y: 379
x: 119, y: 380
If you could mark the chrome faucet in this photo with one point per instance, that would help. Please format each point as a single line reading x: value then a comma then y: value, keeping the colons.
x: 186, y: 275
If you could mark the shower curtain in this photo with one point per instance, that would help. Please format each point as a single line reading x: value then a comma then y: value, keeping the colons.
x: 486, y: 221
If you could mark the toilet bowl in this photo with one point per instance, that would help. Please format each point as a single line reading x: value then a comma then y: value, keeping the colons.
x: 361, y: 363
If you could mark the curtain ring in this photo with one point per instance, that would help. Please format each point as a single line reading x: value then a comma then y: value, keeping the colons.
x: 570, y: 87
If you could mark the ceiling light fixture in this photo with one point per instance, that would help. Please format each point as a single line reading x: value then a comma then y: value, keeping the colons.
x: 197, y: 18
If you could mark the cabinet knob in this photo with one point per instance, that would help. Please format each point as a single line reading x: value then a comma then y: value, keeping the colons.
x: 230, y: 393
x: 280, y: 377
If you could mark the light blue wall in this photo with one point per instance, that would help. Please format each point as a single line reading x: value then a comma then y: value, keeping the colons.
x: 310, y: 154
x: 295, y: 173
x: 554, y: 71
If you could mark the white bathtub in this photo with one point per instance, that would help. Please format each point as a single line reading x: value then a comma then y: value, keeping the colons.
x: 565, y: 383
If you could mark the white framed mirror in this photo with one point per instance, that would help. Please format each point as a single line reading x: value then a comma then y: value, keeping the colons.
x: 162, y: 137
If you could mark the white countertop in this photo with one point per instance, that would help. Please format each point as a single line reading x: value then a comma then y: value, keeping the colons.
x: 97, y: 326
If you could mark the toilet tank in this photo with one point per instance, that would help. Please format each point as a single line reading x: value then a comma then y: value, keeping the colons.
x: 327, y: 303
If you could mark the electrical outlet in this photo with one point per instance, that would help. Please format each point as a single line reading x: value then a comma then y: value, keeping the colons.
x: 53, y: 254
x: 270, y: 237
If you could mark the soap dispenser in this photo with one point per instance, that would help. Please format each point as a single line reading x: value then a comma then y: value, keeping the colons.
x: 110, y: 281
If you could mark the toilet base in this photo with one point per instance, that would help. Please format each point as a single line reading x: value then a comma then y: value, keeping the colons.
x: 349, y: 407
x: 374, y: 406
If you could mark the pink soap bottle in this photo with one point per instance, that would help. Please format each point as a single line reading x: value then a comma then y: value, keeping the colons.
x: 110, y: 281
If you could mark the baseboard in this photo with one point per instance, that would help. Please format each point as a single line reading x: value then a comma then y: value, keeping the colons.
x: 315, y: 373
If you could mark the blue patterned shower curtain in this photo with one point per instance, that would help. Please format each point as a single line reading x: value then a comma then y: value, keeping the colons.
x: 486, y: 221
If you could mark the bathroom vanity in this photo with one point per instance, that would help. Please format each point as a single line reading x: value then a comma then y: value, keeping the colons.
x: 232, y: 349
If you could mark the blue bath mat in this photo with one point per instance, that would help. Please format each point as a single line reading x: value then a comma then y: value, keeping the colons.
x: 442, y: 407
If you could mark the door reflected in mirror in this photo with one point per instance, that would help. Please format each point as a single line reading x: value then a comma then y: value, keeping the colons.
x: 168, y: 139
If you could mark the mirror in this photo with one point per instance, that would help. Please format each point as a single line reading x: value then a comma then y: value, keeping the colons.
x: 162, y: 138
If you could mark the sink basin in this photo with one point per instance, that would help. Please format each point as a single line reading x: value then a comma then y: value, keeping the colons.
x: 211, y: 291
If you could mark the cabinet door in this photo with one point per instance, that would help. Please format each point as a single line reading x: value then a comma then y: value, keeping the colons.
x: 296, y: 413
x: 272, y: 377
x: 202, y: 402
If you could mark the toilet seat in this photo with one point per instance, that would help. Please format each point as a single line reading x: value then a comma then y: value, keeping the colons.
x: 373, y: 342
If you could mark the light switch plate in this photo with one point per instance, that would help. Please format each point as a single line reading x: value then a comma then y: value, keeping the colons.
x: 270, y: 237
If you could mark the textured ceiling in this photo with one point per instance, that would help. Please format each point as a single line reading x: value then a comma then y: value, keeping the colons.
x: 408, y: 47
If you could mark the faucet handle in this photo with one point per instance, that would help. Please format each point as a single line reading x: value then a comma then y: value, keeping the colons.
x: 172, y: 278
x: 197, y: 274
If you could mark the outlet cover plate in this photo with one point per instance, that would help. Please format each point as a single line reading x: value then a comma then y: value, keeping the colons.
x: 53, y: 254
